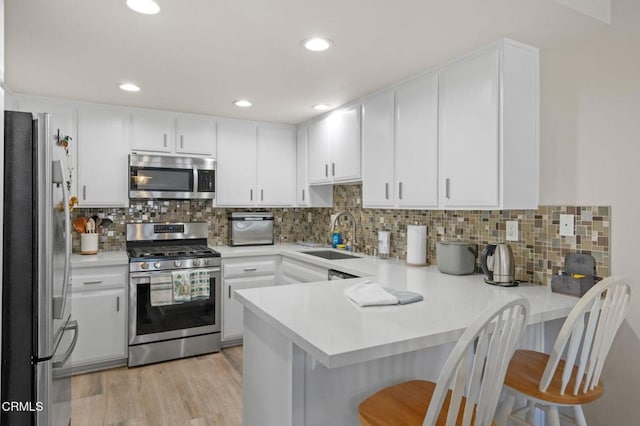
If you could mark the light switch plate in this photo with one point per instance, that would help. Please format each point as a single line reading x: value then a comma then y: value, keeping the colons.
x: 566, y: 225
x: 512, y: 230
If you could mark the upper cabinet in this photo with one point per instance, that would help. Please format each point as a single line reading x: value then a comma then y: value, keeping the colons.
x: 400, y: 146
x: 256, y: 165
x: 306, y: 195
x: 334, y: 147
x: 167, y: 132
x: 103, y: 149
x: 488, y: 129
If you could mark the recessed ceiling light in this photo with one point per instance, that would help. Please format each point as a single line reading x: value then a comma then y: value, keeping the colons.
x: 147, y: 7
x: 316, y: 44
x: 321, y: 107
x: 129, y: 87
x: 242, y: 103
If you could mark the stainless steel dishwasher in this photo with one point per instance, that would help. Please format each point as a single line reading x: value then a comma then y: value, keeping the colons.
x: 334, y: 274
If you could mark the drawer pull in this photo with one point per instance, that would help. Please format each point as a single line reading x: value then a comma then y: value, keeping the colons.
x: 93, y: 282
x: 118, y: 304
x: 250, y: 269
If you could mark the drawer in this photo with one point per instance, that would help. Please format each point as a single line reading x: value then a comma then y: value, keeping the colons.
x: 246, y: 267
x: 99, y: 278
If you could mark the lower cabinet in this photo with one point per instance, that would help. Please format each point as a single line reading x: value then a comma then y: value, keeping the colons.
x: 294, y: 271
x: 99, y: 305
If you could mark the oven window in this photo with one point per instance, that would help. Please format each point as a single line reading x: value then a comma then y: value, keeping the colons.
x: 161, y: 179
x: 157, y: 319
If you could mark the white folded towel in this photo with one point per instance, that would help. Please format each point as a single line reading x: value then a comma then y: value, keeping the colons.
x: 370, y: 294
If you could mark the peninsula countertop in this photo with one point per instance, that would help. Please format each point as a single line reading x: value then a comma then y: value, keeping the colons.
x: 318, y: 318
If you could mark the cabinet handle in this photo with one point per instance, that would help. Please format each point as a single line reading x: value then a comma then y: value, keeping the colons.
x: 448, y: 188
x: 303, y: 195
x: 400, y: 190
x: 326, y: 170
x: 229, y: 297
x: 164, y: 138
x: 251, y: 269
x: 386, y: 190
x: 251, y: 194
x: 118, y: 304
x: 93, y: 282
x: 181, y: 141
x: 262, y: 195
x: 84, y: 192
x: 333, y: 169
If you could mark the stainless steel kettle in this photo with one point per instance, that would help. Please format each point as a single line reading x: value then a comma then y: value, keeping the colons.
x: 498, y: 265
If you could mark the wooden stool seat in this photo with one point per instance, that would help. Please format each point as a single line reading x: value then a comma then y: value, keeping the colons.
x: 525, y: 374
x: 404, y: 404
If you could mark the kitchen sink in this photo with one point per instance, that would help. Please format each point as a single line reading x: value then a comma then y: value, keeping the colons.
x: 331, y: 255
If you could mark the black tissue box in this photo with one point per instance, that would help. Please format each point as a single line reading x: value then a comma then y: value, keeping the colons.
x: 579, y: 275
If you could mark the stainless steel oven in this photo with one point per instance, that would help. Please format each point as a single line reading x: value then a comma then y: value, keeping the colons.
x: 174, y: 292
x: 160, y: 176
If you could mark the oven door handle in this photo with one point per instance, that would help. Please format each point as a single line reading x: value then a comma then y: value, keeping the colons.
x: 143, y: 277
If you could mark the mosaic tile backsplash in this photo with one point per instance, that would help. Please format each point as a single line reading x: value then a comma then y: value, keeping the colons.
x: 539, y: 253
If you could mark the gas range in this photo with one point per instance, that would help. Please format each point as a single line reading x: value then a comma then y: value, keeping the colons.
x: 169, y: 246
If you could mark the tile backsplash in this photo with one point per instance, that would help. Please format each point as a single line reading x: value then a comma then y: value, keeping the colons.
x: 539, y: 253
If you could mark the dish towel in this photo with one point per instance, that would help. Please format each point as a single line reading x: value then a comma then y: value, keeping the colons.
x: 161, y: 293
x: 370, y: 294
x: 200, y: 284
x: 404, y: 296
x: 181, y: 286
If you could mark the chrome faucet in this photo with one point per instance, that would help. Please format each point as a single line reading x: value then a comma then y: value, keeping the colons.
x: 353, y: 221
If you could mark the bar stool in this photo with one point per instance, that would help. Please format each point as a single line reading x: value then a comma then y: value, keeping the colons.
x: 469, y: 385
x: 547, y: 381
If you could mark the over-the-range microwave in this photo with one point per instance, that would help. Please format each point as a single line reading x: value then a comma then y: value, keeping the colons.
x: 165, y: 177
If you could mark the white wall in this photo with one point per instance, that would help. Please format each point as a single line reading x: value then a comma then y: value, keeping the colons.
x: 590, y: 154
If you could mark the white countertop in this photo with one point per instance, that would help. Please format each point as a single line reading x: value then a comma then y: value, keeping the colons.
x: 102, y: 258
x: 333, y: 330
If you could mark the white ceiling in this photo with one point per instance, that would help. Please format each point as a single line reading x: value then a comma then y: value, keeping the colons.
x: 200, y: 55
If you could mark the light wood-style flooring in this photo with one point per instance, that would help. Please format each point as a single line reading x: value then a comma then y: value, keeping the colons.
x: 197, y: 391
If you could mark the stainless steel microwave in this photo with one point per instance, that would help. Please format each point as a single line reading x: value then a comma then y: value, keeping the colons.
x: 165, y: 177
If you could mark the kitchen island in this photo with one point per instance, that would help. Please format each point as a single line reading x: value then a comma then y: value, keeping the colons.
x: 311, y: 355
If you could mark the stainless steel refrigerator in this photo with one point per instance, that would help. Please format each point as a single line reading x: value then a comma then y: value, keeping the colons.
x: 38, y: 335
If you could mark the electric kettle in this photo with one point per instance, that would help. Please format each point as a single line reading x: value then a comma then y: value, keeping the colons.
x: 498, y: 265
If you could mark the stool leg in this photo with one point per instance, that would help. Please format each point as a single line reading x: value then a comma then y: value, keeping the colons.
x: 579, y: 415
x: 554, y: 416
x: 530, y: 417
x: 505, y: 409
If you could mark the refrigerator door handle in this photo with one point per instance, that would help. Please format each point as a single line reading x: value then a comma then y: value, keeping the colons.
x: 58, y: 179
x: 71, y: 325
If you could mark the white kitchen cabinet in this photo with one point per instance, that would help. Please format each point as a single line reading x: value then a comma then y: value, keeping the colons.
x: 152, y: 131
x: 255, y: 165
x: 238, y: 274
x: 306, y: 195
x: 195, y: 135
x: 99, y: 305
x: 488, y: 129
x: 400, y: 146
x: 276, y: 159
x: 334, y: 147
x: 165, y: 132
x: 103, y: 149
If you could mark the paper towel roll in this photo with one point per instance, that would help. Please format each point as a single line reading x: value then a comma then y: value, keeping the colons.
x: 416, y: 245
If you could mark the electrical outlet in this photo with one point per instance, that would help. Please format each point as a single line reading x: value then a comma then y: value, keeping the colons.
x: 512, y: 230
x: 309, y: 217
x: 566, y: 225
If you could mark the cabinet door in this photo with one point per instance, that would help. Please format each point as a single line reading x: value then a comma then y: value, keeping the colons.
x: 416, y: 163
x: 302, y: 187
x: 101, y: 326
x: 345, y: 144
x: 196, y: 135
x: 152, y: 131
x: 103, y: 149
x: 276, y: 166
x: 469, y: 100
x: 378, y: 150
x: 236, y: 164
x: 232, y: 315
x: 319, y: 152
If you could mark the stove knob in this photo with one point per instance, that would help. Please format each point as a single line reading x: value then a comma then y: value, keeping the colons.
x: 177, y: 263
x: 196, y: 262
x: 157, y: 265
x: 144, y: 265
x: 205, y: 261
